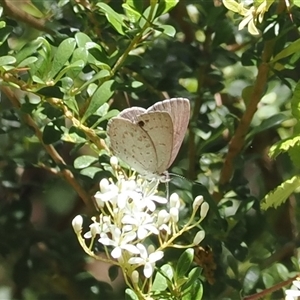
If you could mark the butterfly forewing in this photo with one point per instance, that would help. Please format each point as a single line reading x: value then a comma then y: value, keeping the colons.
x: 133, y: 145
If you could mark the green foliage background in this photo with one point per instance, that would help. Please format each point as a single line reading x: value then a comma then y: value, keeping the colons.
x: 66, y: 67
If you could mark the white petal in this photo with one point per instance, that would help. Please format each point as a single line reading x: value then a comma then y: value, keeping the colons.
x: 296, y: 283
x: 155, y: 256
x: 131, y: 248
x: 128, y: 237
x: 116, y: 253
x: 104, y: 185
x: 122, y: 200
x: 136, y: 261
x: 159, y: 199
x: 141, y: 233
x: 143, y: 251
x: 148, y: 270
x: 151, y: 205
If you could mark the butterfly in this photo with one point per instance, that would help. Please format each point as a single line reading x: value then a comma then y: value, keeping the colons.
x: 148, y: 140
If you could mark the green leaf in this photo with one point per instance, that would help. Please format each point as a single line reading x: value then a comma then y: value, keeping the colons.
x: 4, y: 34
x: 103, y: 74
x: 284, y: 145
x: 295, y: 102
x: 90, y: 171
x: 168, y: 30
x: 28, y: 49
x: 164, y: 6
x: 160, y: 282
x: 102, y: 94
x: 282, y: 271
x: 294, y: 155
x: 82, y: 39
x: 113, y: 272
x: 268, y: 280
x: 296, y: 2
x: 51, y: 134
x: 137, y: 5
x: 131, y: 13
x: 167, y: 271
x: 63, y: 53
x: 84, y: 161
x: 75, y: 135
x: 115, y: 19
x: 184, y: 263
x: 281, y: 193
x: 7, y: 60
x: 232, y: 5
x: 27, y: 61
x: 194, y: 292
x: 251, y: 278
x: 274, y: 121
x: 287, y: 51
x: 192, y: 277
x: 130, y: 295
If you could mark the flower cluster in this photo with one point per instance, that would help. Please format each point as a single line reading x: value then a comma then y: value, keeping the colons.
x: 294, y: 292
x: 130, y: 211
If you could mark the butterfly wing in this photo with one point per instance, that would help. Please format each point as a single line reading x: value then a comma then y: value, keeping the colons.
x: 179, y: 111
x: 132, y: 144
x: 132, y: 113
x: 159, y: 127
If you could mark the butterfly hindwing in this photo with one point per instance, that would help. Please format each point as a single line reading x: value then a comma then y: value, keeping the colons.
x: 132, y: 144
x: 179, y: 110
x: 159, y: 127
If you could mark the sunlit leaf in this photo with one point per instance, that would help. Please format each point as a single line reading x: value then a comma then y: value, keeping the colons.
x: 279, y: 195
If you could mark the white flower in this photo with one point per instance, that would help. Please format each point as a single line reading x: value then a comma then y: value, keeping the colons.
x: 108, y: 193
x: 293, y: 293
x: 148, y: 261
x: 94, y: 230
x: 151, y: 199
x: 142, y: 223
x: 120, y: 241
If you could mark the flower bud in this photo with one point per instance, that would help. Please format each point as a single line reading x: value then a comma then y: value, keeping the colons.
x: 199, y: 237
x: 174, y: 214
x: 135, y: 276
x: 204, y: 210
x: 174, y: 200
x: 197, y: 202
x: 114, y: 162
x: 163, y: 217
x: 77, y: 224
